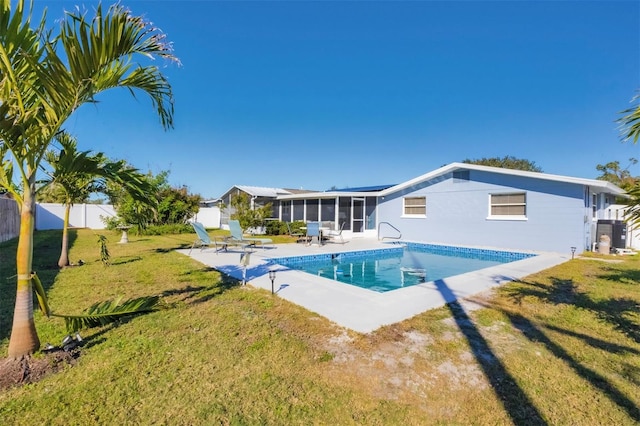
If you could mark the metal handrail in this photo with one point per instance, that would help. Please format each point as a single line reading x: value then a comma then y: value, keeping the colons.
x: 396, y: 229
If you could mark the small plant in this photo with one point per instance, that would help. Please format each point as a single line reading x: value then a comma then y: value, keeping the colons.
x: 104, y: 251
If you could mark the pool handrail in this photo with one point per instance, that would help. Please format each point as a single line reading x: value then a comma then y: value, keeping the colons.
x: 394, y: 228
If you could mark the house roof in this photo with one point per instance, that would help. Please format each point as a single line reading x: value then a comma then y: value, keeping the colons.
x: 261, y: 191
x: 362, y: 188
x: 592, y: 183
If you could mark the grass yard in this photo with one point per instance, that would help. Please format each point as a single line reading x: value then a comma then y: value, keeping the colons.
x: 559, y: 347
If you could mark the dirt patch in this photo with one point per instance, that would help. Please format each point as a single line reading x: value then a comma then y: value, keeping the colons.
x: 19, y: 372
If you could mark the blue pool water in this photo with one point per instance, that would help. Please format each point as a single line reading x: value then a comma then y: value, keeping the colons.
x: 401, y: 266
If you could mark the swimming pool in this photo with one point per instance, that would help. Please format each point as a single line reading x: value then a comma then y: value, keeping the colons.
x: 403, y: 265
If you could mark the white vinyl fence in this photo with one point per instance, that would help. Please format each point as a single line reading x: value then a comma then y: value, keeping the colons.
x: 51, y: 216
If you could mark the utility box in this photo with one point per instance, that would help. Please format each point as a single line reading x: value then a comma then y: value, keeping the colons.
x: 616, y: 230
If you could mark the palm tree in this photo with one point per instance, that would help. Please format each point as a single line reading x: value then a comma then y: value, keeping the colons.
x: 75, y: 175
x: 630, y: 122
x: 44, y: 78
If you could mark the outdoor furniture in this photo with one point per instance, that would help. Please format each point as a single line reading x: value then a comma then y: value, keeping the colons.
x: 297, y: 235
x: 203, y: 239
x: 313, y: 231
x: 238, y: 237
x: 334, y: 234
x: 220, y: 243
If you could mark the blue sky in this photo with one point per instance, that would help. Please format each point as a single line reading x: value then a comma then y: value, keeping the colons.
x: 302, y: 94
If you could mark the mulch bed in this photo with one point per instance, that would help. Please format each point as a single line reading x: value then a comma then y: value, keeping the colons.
x: 18, y: 372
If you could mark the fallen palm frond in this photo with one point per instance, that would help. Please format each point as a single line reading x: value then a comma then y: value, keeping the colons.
x: 41, y: 295
x: 109, y: 311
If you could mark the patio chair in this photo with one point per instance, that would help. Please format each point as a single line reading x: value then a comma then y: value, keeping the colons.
x: 313, y: 231
x: 238, y: 236
x: 333, y: 234
x: 297, y: 235
x: 204, y: 240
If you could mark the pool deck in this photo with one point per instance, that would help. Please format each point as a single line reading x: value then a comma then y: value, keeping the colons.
x: 356, y: 308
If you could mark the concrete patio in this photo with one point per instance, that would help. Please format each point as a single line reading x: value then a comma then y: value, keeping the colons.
x: 354, y: 307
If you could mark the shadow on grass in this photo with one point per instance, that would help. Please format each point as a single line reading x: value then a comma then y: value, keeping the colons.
x: 617, y: 311
x: 46, y: 252
x: 534, y: 334
x: 200, y: 294
x: 624, y: 276
x: 516, y: 403
x: 126, y: 259
x: 170, y: 249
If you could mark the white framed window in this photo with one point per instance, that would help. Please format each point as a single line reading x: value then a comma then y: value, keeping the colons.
x: 415, y: 207
x: 512, y: 206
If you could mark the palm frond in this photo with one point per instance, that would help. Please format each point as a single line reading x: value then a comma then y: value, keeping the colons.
x: 109, y: 311
x: 630, y: 122
x: 41, y: 295
x: 100, y: 52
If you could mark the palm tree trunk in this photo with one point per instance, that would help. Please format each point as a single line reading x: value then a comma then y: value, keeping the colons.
x: 64, y: 252
x: 24, y: 338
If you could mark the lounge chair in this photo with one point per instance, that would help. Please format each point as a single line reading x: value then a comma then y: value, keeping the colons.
x: 333, y: 234
x: 313, y: 231
x: 238, y: 236
x: 203, y: 239
x: 297, y: 235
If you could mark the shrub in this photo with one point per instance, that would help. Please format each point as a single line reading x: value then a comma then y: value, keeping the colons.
x: 174, y: 228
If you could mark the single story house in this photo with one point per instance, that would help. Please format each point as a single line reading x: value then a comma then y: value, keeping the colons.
x: 258, y: 197
x: 465, y: 204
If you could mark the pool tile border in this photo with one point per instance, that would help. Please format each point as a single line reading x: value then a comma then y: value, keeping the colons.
x: 484, y: 254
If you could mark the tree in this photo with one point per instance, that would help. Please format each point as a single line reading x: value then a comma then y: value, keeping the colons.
x: 612, y: 172
x: 176, y: 205
x: 44, y: 78
x: 75, y: 175
x: 173, y: 205
x: 132, y: 211
x: 248, y: 217
x: 506, y: 162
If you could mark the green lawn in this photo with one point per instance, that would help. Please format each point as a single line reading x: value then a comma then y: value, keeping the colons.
x: 560, y: 347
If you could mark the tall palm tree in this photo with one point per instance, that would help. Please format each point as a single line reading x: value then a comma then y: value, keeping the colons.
x: 44, y: 78
x: 77, y: 174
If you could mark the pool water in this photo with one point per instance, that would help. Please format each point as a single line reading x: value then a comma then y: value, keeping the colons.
x: 392, y: 269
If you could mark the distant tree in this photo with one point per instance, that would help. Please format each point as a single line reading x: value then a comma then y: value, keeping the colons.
x: 612, y: 172
x: 173, y: 205
x: 131, y: 211
x: 248, y: 217
x: 506, y: 162
x: 176, y: 205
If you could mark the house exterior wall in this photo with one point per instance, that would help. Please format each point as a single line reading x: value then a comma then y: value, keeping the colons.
x: 457, y: 213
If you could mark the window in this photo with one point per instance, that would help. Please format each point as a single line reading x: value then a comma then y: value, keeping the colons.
x: 510, y: 205
x: 415, y: 206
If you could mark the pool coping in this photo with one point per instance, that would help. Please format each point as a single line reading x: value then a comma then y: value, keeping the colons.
x: 360, y: 309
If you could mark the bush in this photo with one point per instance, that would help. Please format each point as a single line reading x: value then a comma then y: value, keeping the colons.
x: 174, y: 228
x: 276, y: 227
